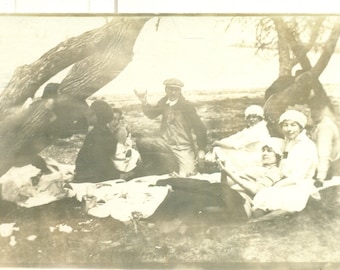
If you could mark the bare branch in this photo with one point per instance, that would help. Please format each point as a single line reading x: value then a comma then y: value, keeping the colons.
x: 328, y: 50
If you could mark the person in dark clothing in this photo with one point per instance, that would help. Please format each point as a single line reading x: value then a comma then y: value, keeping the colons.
x: 176, y: 150
x: 94, y: 161
x: 71, y: 113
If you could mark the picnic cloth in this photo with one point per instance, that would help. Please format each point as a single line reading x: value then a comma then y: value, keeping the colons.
x: 28, y: 187
x: 124, y: 201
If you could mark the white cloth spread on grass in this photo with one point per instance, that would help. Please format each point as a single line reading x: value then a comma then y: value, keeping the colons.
x: 120, y: 199
x: 26, y: 187
x: 292, y: 198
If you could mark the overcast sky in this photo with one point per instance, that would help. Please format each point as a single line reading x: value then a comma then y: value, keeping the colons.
x: 200, y: 50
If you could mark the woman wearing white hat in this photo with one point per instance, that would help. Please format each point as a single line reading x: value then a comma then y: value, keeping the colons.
x: 297, y: 168
x: 250, y: 181
x: 243, y: 148
x: 299, y: 153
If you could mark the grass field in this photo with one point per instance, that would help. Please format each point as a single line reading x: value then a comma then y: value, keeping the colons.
x: 306, y: 240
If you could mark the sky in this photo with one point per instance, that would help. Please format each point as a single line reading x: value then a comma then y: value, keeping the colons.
x: 170, y: 6
x: 199, y: 50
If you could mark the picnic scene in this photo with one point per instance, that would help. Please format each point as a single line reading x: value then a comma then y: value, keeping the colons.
x: 173, y: 141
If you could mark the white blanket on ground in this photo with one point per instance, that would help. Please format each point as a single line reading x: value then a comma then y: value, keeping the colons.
x: 27, y: 187
x: 122, y: 200
x: 291, y: 198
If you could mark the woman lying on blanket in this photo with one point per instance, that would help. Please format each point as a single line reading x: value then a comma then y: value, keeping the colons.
x: 297, y: 168
x: 250, y: 181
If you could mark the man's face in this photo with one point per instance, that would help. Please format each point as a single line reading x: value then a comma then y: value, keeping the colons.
x: 172, y: 93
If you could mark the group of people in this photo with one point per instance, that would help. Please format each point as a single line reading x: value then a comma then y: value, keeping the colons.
x: 258, y: 168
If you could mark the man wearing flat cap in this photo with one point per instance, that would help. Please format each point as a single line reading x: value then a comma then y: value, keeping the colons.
x: 175, y: 150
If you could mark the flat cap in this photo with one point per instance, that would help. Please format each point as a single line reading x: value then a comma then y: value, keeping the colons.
x: 173, y: 82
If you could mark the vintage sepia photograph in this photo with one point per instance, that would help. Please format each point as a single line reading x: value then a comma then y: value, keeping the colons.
x: 170, y: 141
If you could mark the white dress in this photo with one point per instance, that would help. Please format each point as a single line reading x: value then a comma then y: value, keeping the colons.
x: 246, y: 146
x: 299, y: 166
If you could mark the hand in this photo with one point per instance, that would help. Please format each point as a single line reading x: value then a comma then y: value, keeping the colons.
x: 201, y: 155
x: 318, y: 183
x: 220, y: 164
x: 142, y: 96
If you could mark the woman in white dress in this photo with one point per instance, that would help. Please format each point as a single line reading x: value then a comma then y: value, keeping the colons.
x: 297, y: 168
x: 243, y: 149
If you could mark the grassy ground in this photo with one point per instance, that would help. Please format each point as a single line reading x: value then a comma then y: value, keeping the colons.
x: 306, y: 240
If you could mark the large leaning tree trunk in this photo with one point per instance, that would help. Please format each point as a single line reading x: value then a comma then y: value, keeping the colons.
x: 300, y: 90
x: 98, y: 57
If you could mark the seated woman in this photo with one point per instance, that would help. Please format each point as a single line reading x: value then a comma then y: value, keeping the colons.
x: 94, y: 161
x: 297, y: 168
x: 126, y: 159
x: 250, y: 181
x: 243, y: 149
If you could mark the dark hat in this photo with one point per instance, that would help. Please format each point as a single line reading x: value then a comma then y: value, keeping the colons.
x: 173, y: 82
x: 103, y: 111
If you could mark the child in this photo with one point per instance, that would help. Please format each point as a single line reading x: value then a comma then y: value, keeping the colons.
x: 126, y: 158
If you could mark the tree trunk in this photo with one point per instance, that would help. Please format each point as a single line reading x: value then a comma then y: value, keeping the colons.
x: 299, y: 91
x: 285, y: 62
x: 328, y: 50
x: 91, y: 74
x: 26, y: 132
x: 27, y: 79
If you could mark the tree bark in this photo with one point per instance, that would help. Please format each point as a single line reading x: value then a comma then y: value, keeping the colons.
x: 27, y: 79
x: 300, y: 90
x: 285, y: 62
x: 26, y: 132
x: 328, y: 50
x: 92, y: 73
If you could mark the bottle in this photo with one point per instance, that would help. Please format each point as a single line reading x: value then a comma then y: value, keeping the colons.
x: 89, y: 200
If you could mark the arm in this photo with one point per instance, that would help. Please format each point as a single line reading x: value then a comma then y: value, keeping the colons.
x: 198, y: 127
x: 299, y: 165
x: 149, y: 110
x: 152, y: 111
x: 121, y: 135
x: 224, y: 144
x: 245, y: 137
x: 251, y: 135
x: 324, y: 146
x: 251, y: 186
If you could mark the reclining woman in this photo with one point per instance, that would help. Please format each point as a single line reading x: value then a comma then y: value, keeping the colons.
x: 297, y: 168
x: 250, y: 181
